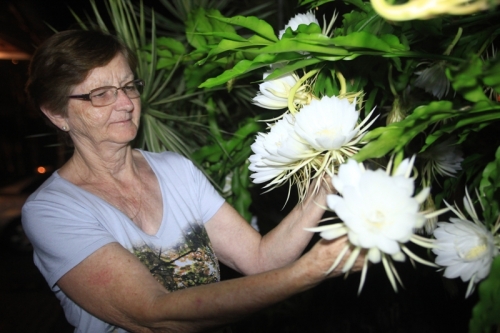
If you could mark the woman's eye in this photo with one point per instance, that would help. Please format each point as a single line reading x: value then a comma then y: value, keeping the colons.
x: 100, y: 94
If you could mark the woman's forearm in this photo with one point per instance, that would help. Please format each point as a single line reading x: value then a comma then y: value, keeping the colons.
x: 198, y: 308
x: 287, y: 241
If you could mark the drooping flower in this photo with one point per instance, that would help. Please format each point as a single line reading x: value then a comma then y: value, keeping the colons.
x: 294, y: 22
x: 274, y: 94
x: 444, y: 158
x: 433, y: 80
x: 466, y: 248
x: 379, y: 214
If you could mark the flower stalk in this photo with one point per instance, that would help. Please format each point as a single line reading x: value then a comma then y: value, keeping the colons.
x: 304, y: 97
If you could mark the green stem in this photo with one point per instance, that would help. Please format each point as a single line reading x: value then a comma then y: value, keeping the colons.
x: 454, y: 42
x: 391, y: 84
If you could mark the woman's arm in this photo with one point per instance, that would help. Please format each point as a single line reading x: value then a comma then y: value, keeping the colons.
x: 240, y: 247
x: 113, y: 285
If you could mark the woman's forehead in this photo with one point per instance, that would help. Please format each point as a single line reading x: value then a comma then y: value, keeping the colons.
x: 115, y: 73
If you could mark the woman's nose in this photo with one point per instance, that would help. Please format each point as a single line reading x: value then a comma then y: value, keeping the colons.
x: 123, y: 101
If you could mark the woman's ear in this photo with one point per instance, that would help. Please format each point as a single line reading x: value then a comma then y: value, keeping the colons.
x: 56, y: 119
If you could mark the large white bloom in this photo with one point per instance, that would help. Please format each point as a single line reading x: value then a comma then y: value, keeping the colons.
x: 464, y: 247
x: 328, y: 124
x: 275, y: 153
x: 379, y: 214
x: 294, y: 22
x: 311, y: 143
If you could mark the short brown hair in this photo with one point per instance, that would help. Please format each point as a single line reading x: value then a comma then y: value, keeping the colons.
x: 65, y: 60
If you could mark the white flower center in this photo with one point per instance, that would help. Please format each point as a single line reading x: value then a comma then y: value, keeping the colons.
x: 377, y: 218
x: 471, y: 253
x: 325, y: 132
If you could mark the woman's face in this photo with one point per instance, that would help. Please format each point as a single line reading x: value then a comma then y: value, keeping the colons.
x: 116, y: 123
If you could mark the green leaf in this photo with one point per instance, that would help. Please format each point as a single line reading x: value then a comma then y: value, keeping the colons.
x: 252, y: 23
x: 466, y: 80
x: 294, y: 45
x: 481, y: 114
x: 168, y: 43
x: 394, y: 42
x: 232, y: 45
x: 242, y: 67
x: 485, y: 313
x: 489, y: 188
x: 394, y: 137
x: 313, y: 3
x: 311, y: 29
x: 292, y: 66
x: 361, y: 39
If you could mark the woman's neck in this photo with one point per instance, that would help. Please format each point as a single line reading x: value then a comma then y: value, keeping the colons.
x: 98, y: 165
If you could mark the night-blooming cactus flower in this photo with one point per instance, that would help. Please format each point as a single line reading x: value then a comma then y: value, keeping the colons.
x: 277, y: 152
x: 305, y: 18
x: 274, y: 94
x: 328, y: 124
x: 311, y: 143
x: 465, y: 248
x: 379, y: 214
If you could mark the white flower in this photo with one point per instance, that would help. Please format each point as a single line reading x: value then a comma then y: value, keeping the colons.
x: 274, y: 93
x: 305, y: 18
x: 327, y: 124
x: 276, y: 152
x: 379, y: 214
x: 464, y: 247
x: 311, y: 143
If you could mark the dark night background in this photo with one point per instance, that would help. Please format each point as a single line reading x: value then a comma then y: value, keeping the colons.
x: 428, y: 303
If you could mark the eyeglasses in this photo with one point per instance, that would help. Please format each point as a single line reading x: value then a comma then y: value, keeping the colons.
x: 107, y: 95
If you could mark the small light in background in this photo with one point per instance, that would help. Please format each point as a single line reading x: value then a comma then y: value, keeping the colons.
x: 41, y: 170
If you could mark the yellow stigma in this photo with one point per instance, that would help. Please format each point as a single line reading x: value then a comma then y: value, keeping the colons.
x: 474, y: 253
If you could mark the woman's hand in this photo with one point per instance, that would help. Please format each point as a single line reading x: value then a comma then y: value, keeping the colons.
x: 319, y: 260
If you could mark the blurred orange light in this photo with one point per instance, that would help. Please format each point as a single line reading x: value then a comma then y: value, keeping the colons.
x: 41, y: 170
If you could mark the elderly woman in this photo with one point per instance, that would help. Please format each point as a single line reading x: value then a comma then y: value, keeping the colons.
x: 130, y: 240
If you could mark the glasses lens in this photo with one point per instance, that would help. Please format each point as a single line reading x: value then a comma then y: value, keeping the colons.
x: 133, y: 89
x: 103, y: 96
x: 107, y: 95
